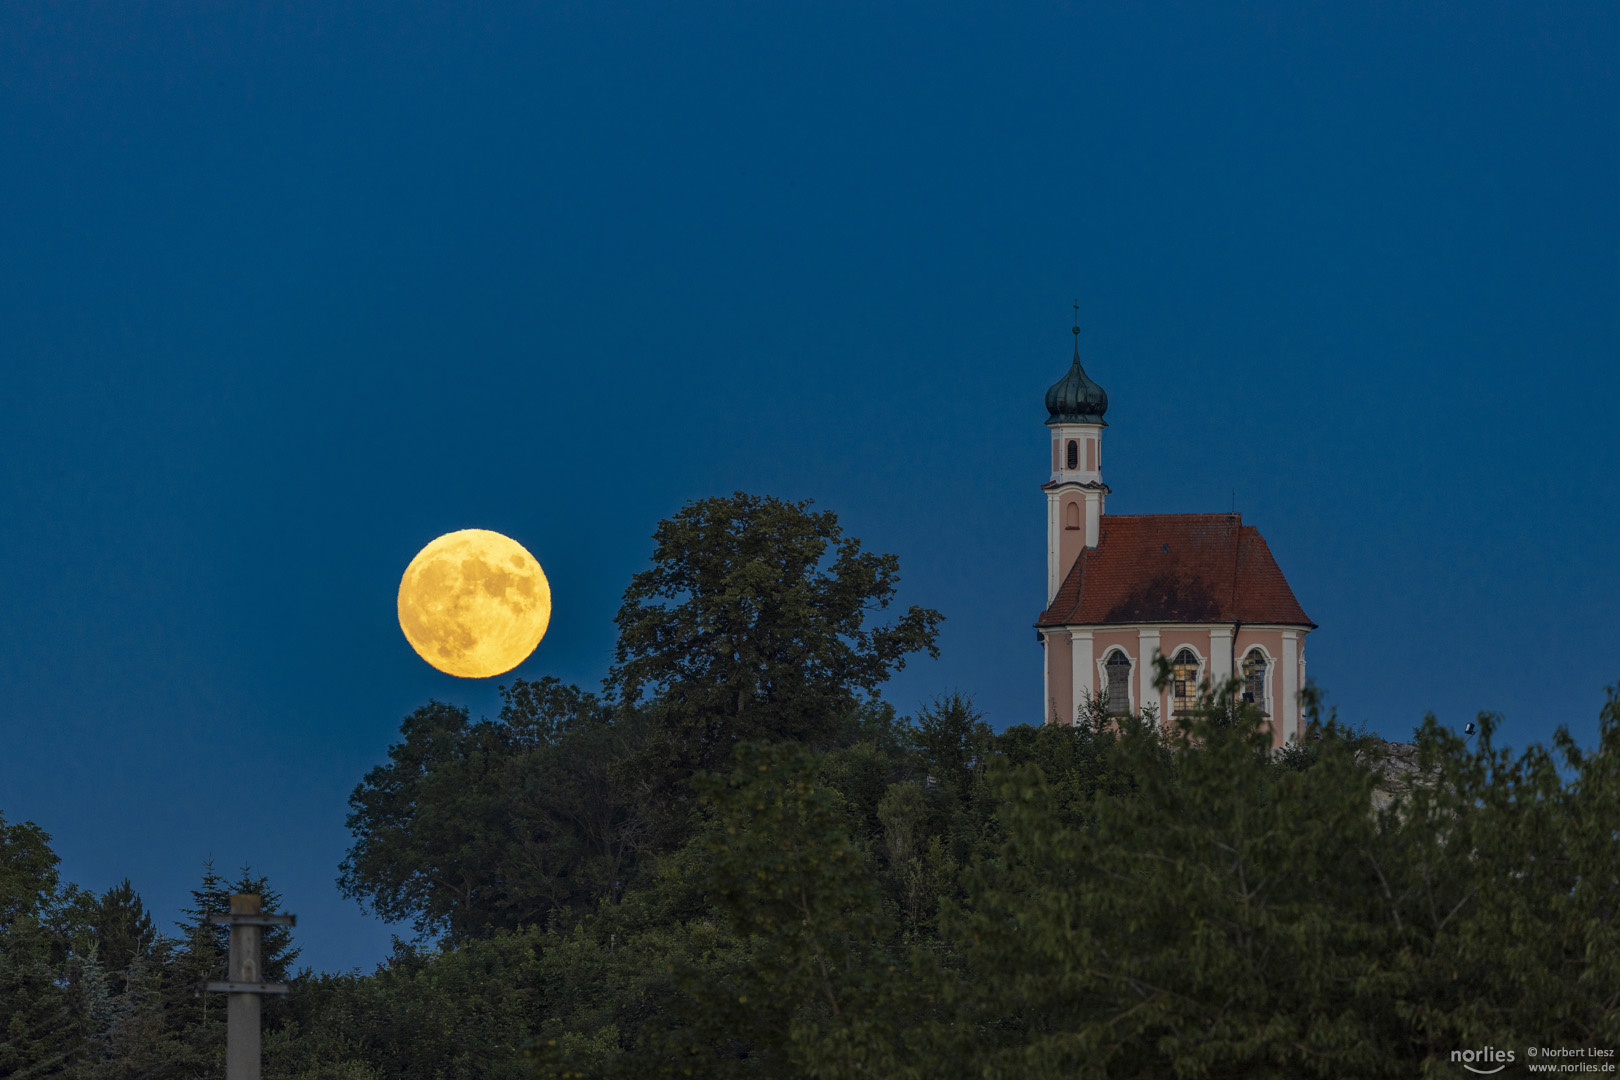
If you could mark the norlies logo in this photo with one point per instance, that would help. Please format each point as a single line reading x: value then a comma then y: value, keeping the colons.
x: 1489, y: 1055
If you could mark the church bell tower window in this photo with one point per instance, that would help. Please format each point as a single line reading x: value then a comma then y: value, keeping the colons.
x: 1074, y: 454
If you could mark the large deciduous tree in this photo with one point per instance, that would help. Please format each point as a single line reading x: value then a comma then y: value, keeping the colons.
x: 474, y: 827
x: 751, y: 624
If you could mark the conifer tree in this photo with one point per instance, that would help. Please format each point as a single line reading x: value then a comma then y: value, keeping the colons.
x: 123, y: 928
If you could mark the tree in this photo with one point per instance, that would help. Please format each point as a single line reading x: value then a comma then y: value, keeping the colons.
x: 212, y: 941
x: 124, y: 930
x: 28, y: 876
x: 189, y: 1039
x: 953, y: 741
x: 782, y: 973
x: 1508, y: 891
x: 43, y: 991
x: 474, y: 827
x: 1134, y: 899
x: 1220, y: 917
x: 742, y: 629
x: 460, y: 1013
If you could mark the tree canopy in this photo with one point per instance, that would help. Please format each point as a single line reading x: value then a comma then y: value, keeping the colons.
x: 751, y: 624
x: 744, y: 863
x: 474, y: 827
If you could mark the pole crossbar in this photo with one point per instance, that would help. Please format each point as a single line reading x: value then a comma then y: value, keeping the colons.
x: 226, y: 987
x: 251, y: 920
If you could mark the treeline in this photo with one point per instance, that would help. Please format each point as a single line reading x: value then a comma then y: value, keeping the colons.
x: 91, y: 987
x: 740, y: 862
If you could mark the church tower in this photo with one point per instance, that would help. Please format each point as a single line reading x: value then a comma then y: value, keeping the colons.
x: 1075, y: 492
x: 1201, y: 590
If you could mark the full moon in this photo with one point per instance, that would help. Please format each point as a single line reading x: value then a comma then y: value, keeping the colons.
x: 474, y: 603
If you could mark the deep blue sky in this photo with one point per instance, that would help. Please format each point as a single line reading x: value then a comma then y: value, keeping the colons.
x: 287, y: 292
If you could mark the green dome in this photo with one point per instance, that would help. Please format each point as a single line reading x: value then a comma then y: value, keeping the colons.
x: 1075, y: 399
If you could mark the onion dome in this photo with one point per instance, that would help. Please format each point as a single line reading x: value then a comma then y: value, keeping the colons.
x: 1075, y: 399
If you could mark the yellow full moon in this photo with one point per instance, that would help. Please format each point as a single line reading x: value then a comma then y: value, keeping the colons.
x: 474, y: 603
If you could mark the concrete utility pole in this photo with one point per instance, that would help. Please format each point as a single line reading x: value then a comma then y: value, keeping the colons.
x: 245, y: 983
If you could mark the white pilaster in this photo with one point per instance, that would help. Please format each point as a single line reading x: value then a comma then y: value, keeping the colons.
x: 1290, y: 685
x: 1302, y: 662
x: 1080, y: 651
x: 1094, y: 509
x: 1220, y: 655
x: 1046, y: 678
x: 1147, y: 647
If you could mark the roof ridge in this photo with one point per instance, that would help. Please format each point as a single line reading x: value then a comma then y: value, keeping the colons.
x: 1196, y: 514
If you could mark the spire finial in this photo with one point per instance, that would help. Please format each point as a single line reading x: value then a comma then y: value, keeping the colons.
x: 1077, y: 331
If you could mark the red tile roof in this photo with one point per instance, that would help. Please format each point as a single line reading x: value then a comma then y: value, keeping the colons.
x: 1175, y: 568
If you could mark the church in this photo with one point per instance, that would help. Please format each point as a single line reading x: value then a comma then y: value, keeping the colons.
x: 1201, y: 589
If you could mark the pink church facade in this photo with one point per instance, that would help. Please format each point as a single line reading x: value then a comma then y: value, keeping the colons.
x: 1202, y: 590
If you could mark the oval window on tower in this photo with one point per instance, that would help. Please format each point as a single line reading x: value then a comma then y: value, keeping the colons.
x: 1074, y: 454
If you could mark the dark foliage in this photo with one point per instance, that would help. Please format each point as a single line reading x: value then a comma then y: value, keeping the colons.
x: 746, y: 865
x: 751, y: 624
x: 477, y: 827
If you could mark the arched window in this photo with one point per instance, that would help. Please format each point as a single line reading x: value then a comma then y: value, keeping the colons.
x: 1254, y: 678
x: 1074, y: 454
x: 1184, y: 671
x: 1119, y: 683
x: 1072, y: 516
